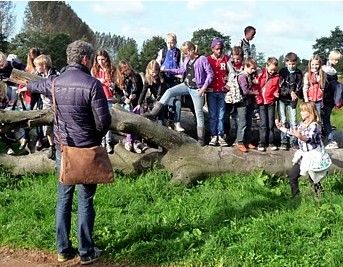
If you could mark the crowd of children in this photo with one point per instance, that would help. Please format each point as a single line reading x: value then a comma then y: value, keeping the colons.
x: 231, y: 84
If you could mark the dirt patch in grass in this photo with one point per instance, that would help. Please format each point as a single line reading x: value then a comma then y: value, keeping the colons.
x: 36, y: 258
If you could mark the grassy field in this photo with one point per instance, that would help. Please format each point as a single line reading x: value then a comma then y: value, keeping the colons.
x: 230, y: 220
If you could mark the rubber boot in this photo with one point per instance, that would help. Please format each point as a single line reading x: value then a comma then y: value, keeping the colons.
x: 157, y: 109
x: 201, y: 135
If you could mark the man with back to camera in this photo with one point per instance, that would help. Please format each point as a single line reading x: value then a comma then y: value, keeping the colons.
x: 83, y: 118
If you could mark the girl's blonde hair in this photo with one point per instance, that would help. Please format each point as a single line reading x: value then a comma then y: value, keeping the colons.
x: 335, y: 54
x: 31, y: 55
x: 43, y: 60
x: 171, y: 36
x: 189, y: 46
x: 321, y: 72
x: 310, y: 107
x: 152, y: 66
x: 3, y: 57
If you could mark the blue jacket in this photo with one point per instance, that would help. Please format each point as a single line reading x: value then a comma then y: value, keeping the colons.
x: 82, y: 109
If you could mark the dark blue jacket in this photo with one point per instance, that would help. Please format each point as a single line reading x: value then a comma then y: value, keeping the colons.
x: 82, y: 109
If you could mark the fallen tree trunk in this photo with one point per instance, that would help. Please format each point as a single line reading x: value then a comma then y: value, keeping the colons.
x: 184, y: 158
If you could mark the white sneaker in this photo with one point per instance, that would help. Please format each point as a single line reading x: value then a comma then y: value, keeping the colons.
x: 128, y: 146
x: 221, y: 141
x: 10, y: 151
x: 332, y: 145
x: 273, y: 147
x: 213, y: 141
x: 137, y: 148
x: 177, y: 127
x: 261, y: 148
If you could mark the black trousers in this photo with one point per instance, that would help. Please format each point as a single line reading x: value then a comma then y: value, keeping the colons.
x: 267, y: 124
x: 294, y: 175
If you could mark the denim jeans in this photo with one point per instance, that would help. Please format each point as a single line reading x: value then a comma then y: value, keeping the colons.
x: 216, y: 110
x: 244, y: 122
x: 284, y: 109
x: 85, y: 211
x: 182, y: 89
x: 107, y: 139
x: 319, y: 105
x: 267, y: 124
x: 130, y: 138
x: 326, y: 114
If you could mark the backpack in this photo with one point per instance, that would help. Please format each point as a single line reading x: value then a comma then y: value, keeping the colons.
x: 234, y: 95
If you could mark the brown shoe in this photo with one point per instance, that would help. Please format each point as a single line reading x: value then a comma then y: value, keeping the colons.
x: 250, y: 146
x: 242, y: 148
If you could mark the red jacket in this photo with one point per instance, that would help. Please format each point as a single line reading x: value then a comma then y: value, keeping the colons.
x: 220, y: 70
x: 267, y: 87
x: 106, y: 85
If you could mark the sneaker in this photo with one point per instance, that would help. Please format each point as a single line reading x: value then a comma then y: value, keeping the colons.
x: 221, y: 141
x: 85, y: 260
x: 242, y: 148
x: 109, y: 149
x: 177, y: 127
x: 250, y: 146
x: 128, y: 146
x: 261, y: 148
x: 332, y: 145
x: 144, y: 146
x: 10, y: 151
x: 63, y: 257
x: 39, y: 145
x: 51, y: 152
x: 23, y: 143
x: 137, y: 147
x: 213, y: 141
x: 273, y: 147
x: 284, y: 147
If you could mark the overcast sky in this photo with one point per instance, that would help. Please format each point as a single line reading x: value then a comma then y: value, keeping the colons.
x: 282, y: 26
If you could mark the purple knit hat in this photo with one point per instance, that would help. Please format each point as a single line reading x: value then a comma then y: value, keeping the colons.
x: 217, y: 41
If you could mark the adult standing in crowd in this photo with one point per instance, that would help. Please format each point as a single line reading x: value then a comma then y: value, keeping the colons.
x: 83, y: 119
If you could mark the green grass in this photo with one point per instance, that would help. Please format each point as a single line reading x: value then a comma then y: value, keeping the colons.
x: 230, y: 220
x: 337, y: 118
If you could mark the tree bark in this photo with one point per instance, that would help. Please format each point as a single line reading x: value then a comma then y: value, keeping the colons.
x: 184, y: 158
x: 22, y: 77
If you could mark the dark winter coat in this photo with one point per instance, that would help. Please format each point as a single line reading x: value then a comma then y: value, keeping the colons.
x: 290, y: 82
x: 83, y: 117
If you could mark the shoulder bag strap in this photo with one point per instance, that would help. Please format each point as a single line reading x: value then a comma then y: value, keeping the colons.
x: 55, y: 108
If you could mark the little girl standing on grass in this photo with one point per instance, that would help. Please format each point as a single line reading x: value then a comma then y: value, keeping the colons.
x: 311, y: 148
